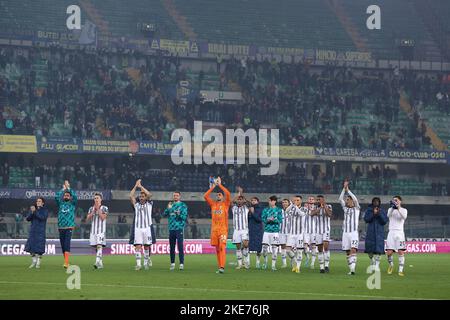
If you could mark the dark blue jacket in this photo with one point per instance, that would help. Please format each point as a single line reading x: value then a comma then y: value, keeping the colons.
x: 36, y: 237
x: 255, y: 229
x: 375, y: 230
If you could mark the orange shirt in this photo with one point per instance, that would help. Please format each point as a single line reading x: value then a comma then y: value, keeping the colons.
x: 219, y: 210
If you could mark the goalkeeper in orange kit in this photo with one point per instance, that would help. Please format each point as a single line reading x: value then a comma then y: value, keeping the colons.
x: 219, y: 225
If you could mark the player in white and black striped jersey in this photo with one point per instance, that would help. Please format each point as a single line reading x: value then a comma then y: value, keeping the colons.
x: 240, y: 211
x: 284, y: 230
x: 310, y: 233
x: 142, y: 224
x: 350, y: 234
x: 294, y: 244
x: 98, y: 214
x: 323, y: 214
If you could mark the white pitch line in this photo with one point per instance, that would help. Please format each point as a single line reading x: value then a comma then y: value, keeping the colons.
x: 220, y: 290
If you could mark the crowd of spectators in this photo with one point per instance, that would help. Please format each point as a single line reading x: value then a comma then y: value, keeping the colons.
x: 92, y: 95
x: 93, y: 173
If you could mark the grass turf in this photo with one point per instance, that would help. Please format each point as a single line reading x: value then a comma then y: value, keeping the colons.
x: 426, y: 277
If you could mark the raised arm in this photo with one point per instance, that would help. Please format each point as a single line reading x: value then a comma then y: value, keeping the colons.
x: 74, y: 196
x: 183, y: 212
x: 341, y: 198
x: 58, y: 196
x: 403, y: 213
x: 355, y: 200
x: 207, y: 196
x: 103, y: 213
x: 389, y: 213
x: 226, y: 192
x: 328, y: 210
x: 132, y: 193
x: 147, y: 193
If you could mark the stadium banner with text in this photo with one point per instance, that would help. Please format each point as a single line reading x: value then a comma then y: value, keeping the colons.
x: 27, y: 194
x: 351, y: 154
x: 296, y: 152
x: 418, y: 155
x: 109, y: 146
x: 156, y: 148
x: 16, y: 247
x: 59, y: 145
x: 18, y: 143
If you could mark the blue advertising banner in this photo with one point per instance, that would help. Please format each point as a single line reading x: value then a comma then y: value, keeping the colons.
x: 6, y: 193
x: 350, y: 152
x: 66, y: 145
x: 109, y: 146
x: 157, y: 148
x: 431, y: 156
x: 408, y: 154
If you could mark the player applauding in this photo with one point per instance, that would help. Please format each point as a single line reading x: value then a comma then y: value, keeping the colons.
x: 350, y: 235
x: 272, y: 219
x: 219, y: 225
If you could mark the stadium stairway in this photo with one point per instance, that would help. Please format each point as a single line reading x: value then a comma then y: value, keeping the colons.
x: 348, y: 25
x: 438, y: 144
x: 179, y: 19
x: 439, y: 46
x: 95, y: 17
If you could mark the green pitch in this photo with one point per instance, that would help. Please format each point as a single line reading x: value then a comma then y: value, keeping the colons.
x: 426, y: 277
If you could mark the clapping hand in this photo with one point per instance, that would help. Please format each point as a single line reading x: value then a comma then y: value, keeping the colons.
x: 66, y: 185
x: 346, y: 182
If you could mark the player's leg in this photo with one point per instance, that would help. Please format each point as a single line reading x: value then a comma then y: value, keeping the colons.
x: 172, y: 243
x: 66, y: 238
x: 283, y: 251
x: 275, y: 244
x: 222, y: 251
x: 265, y: 249
x: 291, y: 254
x: 38, y: 260
x: 326, y: 254
x: 215, y: 243
x: 353, y: 260
x: 321, y: 258
x: 307, y: 249
x: 245, y: 253
x: 354, y: 236
x: 401, y: 262
x: 290, y: 249
x: 401, y: 249
x: 180, y: 242
x: 390, y: 247
x: 299, y: 253
x: 376, y: 259
x: 258, y: 259
x: 33, y: 261
x: 99, y: 256
x: 138, y: 252
x: 147, y: 256
x: 390, y: 259
x: 237, y: 242
x: 313, y: 252
x: 238, y: 255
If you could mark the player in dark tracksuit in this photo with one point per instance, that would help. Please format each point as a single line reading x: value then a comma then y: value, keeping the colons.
x: 177, y: 213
